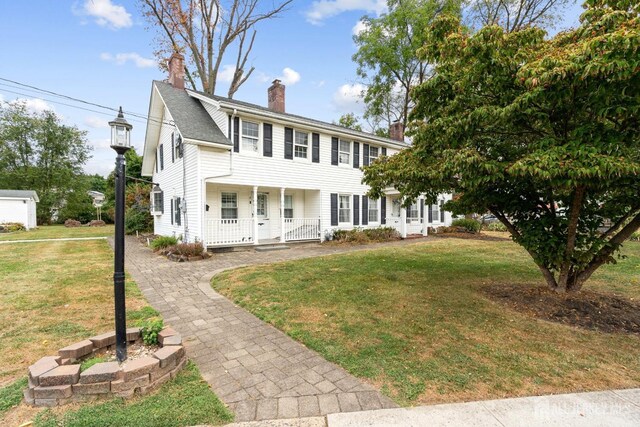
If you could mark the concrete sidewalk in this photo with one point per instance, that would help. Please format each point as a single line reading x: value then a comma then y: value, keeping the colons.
x: 616, y: 408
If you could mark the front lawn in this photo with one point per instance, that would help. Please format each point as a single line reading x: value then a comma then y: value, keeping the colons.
x: 56, y: 293
x: 58, y: 232
x: 416, y: 321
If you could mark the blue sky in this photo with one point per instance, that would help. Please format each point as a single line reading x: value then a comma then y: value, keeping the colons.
x: 100, y: 51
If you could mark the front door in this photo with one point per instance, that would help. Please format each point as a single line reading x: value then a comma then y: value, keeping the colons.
x: 263, y: 216
x: 394, y: 219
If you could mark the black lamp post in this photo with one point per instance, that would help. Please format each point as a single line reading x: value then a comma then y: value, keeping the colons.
x: 121, y: 143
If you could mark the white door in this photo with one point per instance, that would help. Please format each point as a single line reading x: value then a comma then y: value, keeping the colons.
x: 263, y: 216
x: 394, y: 219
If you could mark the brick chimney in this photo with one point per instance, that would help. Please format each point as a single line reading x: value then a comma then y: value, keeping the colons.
x: 396, y: 131
x: 276, y: 96
x: 176, y: 70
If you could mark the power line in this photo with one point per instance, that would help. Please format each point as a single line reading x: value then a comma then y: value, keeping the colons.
x: 82, y: 101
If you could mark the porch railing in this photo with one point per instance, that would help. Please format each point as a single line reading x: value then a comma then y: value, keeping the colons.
x: 229, y: 231
x: 301, y: 229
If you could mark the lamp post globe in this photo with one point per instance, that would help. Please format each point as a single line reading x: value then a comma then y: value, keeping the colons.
x: 121, y: 143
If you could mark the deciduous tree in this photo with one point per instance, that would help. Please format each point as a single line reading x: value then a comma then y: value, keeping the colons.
x: 206, y: 30
x: 543, y: 133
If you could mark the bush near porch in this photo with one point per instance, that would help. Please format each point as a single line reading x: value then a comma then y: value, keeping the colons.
x: 420, y: 322
x: 366, y: 235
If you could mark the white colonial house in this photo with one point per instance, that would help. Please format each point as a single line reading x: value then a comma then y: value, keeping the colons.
x: 18, y: 206
x: 229, y: 173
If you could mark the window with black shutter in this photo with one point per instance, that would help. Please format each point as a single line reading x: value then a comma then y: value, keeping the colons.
x: 384, y: 151
x: 365, y: 210
x: 365, y: 154
x: 383, y: 210
x: 334, y: 150
x: 315, y: 148
x: 267, y: 140
x: 236, y: 134
x: 334, y: 208
x: 177, y: 211
x: 288, y: 143
x: 356, y: 155
x: 356, y: 209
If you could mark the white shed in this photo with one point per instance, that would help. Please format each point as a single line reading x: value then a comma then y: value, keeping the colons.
x: 18, y: 206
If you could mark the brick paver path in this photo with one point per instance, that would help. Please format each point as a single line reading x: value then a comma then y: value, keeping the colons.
x: 258, y: 371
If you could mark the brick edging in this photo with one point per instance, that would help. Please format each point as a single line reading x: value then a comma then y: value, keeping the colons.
x: 57, y: 380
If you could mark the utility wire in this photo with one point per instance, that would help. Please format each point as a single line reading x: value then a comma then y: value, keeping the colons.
x: 82, y: 101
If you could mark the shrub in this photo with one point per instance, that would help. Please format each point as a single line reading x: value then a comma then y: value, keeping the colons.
x: 496, y: 226
x: 469, y: 225
x: 163, y: 242
x: 137, y: 220
x: 10, y: 227
x: 185, y: 249
x: 635, y: 236
x: 358, y: 235
x: 72, y: 223
x: 150, y: 330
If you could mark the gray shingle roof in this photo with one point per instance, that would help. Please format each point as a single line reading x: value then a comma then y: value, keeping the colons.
x: 19, y: 194
x: 189, y: 115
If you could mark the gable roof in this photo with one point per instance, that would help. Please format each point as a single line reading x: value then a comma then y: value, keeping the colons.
x: 190, y: 116
x: 20, y: 194
x: 231, y: 104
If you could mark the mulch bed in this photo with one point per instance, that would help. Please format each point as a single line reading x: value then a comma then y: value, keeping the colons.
x: 470, y: 236
x: 586, y: 309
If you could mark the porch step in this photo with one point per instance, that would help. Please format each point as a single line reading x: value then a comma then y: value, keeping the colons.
x: 271, y: 248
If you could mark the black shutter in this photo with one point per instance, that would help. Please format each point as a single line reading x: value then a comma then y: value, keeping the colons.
x: 288, y: 143
x: 315, y: 148
x: 430, y: 213
x: 229, y: 128
x: 173, y: 148
x: 383, y: 210
x: 156, y: 161
x: 356, y: 209
x: 236, y: 134
x: 356, y: 155
x: 172, y: 212
x: 267, y: 140
x: 365, y: 210
x: 442, y: 211
x: 365, y: 154
x: 422, y: 210
x: 384, y: 151
x: 161, y: 156
x: 334, y: 209
x: 334, y: 151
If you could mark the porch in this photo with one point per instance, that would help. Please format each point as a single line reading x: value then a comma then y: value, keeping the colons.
x: 243, y: 215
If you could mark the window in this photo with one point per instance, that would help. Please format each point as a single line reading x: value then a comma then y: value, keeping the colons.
x: 288, y: 206
x: 161, y: 157
x: 373, y: 153
x: 344, y: 152
x: 435, y: 213
x: 250, y: 135
x: 157, y: 200
x: 374, y: 210
x: 262, y: 207
x: 344, y: 208
x: 395, y: 207
x: 177, y: 205
x: 300, y: 145
x: 413, y: 213
x: 229, y: 206
x: 177, y: 147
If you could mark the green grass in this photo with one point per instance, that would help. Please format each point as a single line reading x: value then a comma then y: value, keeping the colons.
x: 11, y: 395
x: 54, y: 294
x: 58, y: 232
x: 413, y: 321
x: 185, y: 401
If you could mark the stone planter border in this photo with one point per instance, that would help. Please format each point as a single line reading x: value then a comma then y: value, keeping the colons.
x: 57, y: 380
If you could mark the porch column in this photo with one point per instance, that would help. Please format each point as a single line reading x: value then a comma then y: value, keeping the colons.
x: 403, y: 222
x: 425, y: 226
x: 282, y: 215
x: 255, y: 215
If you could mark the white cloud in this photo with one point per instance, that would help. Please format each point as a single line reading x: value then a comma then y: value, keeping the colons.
x: 323, y: 9
x: 348, y: 98
x: 106, y: 14
x: 262, y: 77
x: 289, y: 76
x: 100, y: 143
x: 96, y: 122
x: 226, y: 75
x: 123, y: 58
x: 34, y: 105
x: 359, y: 27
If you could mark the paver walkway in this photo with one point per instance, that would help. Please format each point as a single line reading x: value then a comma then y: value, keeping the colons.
x: 258, y: 371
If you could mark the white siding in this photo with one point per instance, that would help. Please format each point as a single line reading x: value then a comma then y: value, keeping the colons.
x: 17, y: 210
